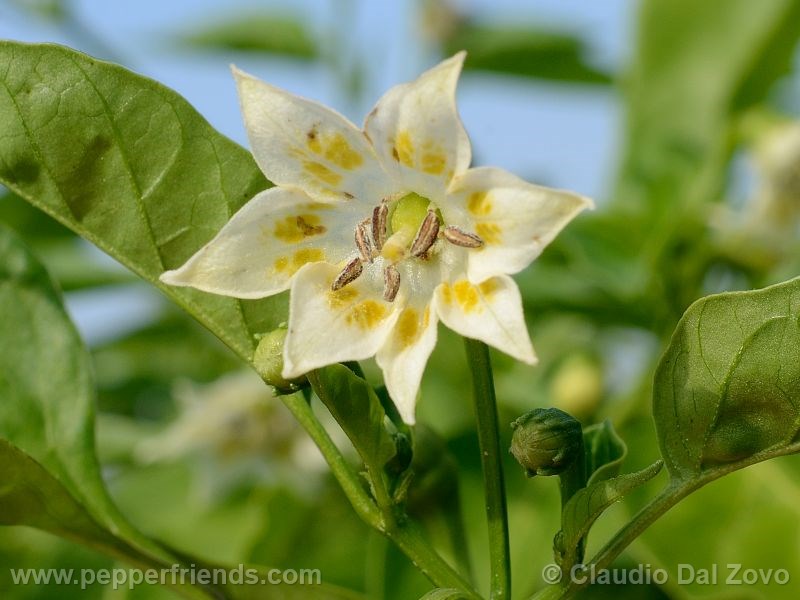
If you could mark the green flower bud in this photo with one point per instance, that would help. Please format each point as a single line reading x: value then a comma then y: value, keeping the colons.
x: 546, y: 441
x: 268, y: 361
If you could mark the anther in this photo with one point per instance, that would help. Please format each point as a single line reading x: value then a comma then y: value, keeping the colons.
x: 363, y: 242
x: 426, y: 235
x: 349, y: 274
x: 379, y: 216
x: 459, y: 237
x: 391, y: 283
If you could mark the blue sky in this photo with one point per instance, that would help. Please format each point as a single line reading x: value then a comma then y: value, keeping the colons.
x: 563, y: 136
x: 560, y: 135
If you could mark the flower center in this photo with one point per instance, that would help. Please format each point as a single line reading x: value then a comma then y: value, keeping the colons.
x: 411, y: 231
x: 408, y: 213
x: 413, y: 227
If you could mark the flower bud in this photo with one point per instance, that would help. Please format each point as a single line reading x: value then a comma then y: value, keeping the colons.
x: 268, y: 361
x: 546, y: 441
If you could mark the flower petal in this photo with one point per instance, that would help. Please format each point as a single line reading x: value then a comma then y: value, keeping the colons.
x: 259, y: 250
x: 514, y: 218
x: 301, y: 143
x: 490, y: 311
x: 404, y: 355
x: 417, y: 133
x: 326, y: 327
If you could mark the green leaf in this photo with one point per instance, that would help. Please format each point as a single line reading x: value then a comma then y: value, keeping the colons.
x: 263, y: 33
x: 524, y: 51
x: 697, y: 66
x: 65, y: 256
x: 587, y: 504
x: 51, y: 479
x: 30, y: 496
x: 30, y: 223
x: 727, y: 390
x: 357, y: 409
x: 129, y: 165
x: 47, y: 408
x: 605, y: 451
x: 444, y: 594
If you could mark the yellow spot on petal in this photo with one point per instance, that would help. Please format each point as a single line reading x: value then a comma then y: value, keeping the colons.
x: 290, y: 266
x: 447, y: 294
x: 403, y: 151
x: 489, y: 232
x: 434, y: 163
x: 319, y: 206
x: 281, y: 263
x: 479, y: 204
x: 470, y: 297
x: 366, y: 315
x: 334, y: 148
x: 296, y: 228
x: 322, y: 172
x: 466, y: 295
x: 408, y: 329
x: 342, y: 297
x: 312, y: 140
x: 488, y: 288
x: 340, y: 153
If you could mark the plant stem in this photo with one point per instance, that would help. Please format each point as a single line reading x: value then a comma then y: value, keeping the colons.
x: 491, y: 461
x: 574, y: 477
x: 375, y: 576
x: 344, y: 474
x: 454, y: 520
x: 668, y: 498
x: 411, y: 541
x: 659, y: 505
x: 404, y: 535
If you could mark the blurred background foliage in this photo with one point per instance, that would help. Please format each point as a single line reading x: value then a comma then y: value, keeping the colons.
x: 703, y: 195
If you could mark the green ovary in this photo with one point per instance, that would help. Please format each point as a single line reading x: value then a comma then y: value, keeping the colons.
x: 409, y: 212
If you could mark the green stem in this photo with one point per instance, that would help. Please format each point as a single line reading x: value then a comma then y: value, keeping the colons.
x: 375, y: 576
x: 659, y: 505
x: 404, y: 535
x: 491, y: 461
x: 413, y: 544
x: 344, y: 474
x: 574, y: 477
x: 676, y: 491
x: 454, y: 521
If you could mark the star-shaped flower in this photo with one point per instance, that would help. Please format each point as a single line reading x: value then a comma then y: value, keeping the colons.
x: 380, y: 232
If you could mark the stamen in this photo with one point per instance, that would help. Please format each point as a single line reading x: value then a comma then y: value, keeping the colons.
x: 391, y: 283
x: 363, y: 242
x: 349, y: 274
x: 426, y: 235
x: 459, y: 237
x: 379, y: 215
